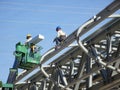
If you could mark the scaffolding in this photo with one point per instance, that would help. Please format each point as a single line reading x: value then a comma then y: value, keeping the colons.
x: 93, y: 63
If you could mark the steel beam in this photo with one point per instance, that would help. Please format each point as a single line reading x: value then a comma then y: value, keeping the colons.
x: 101, y: 86
x: 114, y: 6
x: 80, y: 70
x: 73, y: 52
x: 90, y: 73
x: 88, y: 69
x: 76, y: 51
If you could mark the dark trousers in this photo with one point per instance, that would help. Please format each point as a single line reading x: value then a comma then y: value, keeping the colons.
x: 59, y: 39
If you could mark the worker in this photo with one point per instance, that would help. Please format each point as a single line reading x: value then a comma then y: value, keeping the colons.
x: 28, y: 38
x: 31, y: 45
x: 61, y: 36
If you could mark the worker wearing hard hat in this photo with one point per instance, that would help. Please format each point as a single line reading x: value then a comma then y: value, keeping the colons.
x: 28, y: 38
x: 31, y: 45
x: 60, y: 35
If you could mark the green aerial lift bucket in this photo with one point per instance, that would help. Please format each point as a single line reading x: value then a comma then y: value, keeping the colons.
x: 26, y: 58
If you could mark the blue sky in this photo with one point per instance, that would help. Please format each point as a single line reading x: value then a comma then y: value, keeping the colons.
x: 20, y: 17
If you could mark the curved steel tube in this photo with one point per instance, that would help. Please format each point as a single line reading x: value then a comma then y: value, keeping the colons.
x: 87, y: 52
x: 45, y: 73
x: 42, y: 58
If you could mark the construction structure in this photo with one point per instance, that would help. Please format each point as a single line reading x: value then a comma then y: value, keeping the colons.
x: 91, y: 63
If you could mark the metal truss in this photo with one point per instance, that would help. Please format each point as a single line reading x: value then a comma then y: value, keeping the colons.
x: 93, y: 63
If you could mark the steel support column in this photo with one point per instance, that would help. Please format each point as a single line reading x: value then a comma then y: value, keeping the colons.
x: 71, y: 70
x: 88, y: 69
x: 43, y: 85
x: 118, y: 50
x: 80, y: 70
x: 103, y: 71
x: 51, y: 84
x: 32, y: 87
x: 62, y: 77
x: 109, y: 51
